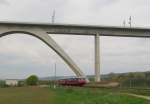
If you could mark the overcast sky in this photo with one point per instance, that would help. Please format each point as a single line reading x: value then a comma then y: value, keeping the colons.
x: 23, y: 55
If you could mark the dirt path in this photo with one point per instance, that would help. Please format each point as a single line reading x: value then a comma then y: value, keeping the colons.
x: 139, y: 96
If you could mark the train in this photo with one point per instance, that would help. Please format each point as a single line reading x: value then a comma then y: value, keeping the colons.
x: 72, y: 82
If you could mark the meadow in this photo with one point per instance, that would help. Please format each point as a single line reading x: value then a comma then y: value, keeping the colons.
x: 66, y: 95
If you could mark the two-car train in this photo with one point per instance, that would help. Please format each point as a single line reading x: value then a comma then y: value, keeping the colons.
x: 72, y: 81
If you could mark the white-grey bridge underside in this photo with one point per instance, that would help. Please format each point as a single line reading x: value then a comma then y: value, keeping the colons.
x: 80, y: 29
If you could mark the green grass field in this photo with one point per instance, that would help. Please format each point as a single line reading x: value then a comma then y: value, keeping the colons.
x: 26, y: 95
x: 37, y: 95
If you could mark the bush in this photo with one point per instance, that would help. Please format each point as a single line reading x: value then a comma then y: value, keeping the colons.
x: 2, y: 84
x: 32, y: 80
x: 21, y: 83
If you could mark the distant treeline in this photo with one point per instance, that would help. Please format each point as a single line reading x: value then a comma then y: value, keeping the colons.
x: 131, y: 79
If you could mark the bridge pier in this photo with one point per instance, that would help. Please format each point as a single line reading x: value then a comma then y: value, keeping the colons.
x: 97, y: 58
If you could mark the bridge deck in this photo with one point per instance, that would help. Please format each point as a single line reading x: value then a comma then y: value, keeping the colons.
x: 81, y: 29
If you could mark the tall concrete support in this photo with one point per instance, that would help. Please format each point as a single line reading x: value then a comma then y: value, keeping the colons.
x: 97, y: 58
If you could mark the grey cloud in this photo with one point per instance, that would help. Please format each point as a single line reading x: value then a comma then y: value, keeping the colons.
x: 4, y: 2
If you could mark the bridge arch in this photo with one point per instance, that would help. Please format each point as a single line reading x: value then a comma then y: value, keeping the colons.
x: 44, y: 37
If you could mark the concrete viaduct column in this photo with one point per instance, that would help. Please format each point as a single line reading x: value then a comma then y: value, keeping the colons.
x: 97, y: 58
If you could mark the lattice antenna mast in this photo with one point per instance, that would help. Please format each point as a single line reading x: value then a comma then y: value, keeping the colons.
x: 130, y: 21
x: 53, y: 17
x: 124, y: 23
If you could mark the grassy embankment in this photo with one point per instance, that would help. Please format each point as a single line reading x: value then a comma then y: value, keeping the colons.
x: 138, y: 91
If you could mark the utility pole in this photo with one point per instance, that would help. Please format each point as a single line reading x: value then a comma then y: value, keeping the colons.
x: 55, y: 71
x: 54, y: 75
x: 53, y: 21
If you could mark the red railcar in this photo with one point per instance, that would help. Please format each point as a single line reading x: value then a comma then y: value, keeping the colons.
x: 72, y: 82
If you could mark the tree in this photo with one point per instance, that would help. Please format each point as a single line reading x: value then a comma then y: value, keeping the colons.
x: 147, y: 75
x: 139, y: 75
x: 32, y: 80
x: 2, y: 83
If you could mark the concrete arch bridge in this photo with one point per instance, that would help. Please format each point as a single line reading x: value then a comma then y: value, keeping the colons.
x: 41, y: 31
